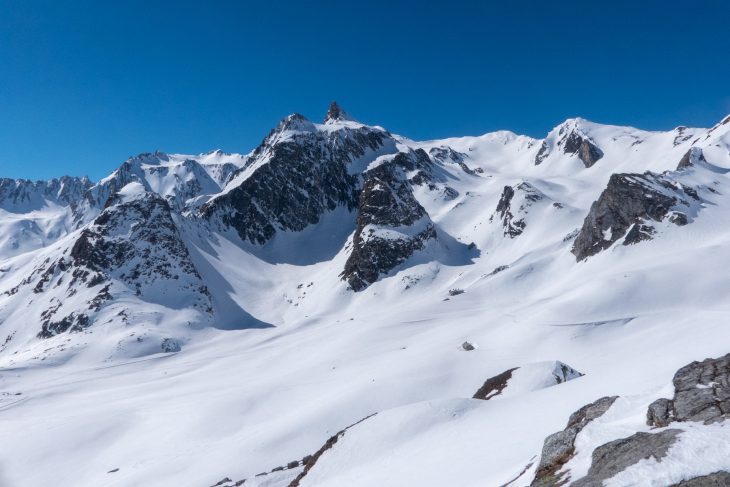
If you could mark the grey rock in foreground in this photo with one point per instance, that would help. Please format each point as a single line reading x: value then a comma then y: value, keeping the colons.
x: 701, y: 393
x: 717, y: 479
x: 560, y: 447
x: 616, y: 456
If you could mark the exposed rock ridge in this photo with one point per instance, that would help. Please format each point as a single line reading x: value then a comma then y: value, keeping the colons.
x: 691, y: 158
x: 511, y: 211
x: 571, y: 140
x: 391, y: 224
x: 296, y: 175
x: 311, y: 460
x: 627, y: 207
x: 134, y: 242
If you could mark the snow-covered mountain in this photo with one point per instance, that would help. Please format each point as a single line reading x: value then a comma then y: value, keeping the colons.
x: 347, y: 306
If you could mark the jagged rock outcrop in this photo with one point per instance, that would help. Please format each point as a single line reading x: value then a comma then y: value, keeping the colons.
x: 559, y: 447
x: 134, y: 243
x: 296, y: 175
x: 627, y: 207
x: 587, y: 151
x: 570, y: 139
x: 335, y: 113
x: 513, y: 206
x: 691, y: 158
x: 494, y: 385
x: 391, y: 224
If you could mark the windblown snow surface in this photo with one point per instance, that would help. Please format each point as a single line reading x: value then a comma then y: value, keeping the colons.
x: 289, y: 356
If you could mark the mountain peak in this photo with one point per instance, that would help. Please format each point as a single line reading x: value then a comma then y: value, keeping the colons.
x: 335, y: 113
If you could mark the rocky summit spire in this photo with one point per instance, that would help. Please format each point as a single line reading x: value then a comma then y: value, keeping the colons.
x: 335, y: 113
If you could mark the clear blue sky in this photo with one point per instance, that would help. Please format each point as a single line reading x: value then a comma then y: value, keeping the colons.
x: 85, y: 84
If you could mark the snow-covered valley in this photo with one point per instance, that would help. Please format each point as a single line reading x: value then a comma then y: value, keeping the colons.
x: 196, y: 318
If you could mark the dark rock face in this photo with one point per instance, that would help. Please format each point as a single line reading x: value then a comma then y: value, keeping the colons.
x: 560, y: 447
x: 335, y: 113
x: 73, y: 322
x: 391, y: 224
x: 587, y: 151
x: 626, y: 207
x: 494, y: 385
x: 691, y: 158
x: 134, y: 242
x: 297, y: 174
x: 616, y: 456
x: 701, y: 393
x: 512, y: 215
x: 572, y: 141
x: 542, y: 153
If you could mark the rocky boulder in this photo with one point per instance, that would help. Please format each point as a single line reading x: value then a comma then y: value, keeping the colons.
x: 701, y: 393
x: 616, y: 456
x: 559, y: 447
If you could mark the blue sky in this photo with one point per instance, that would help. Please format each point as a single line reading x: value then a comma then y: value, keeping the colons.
x: 85, y: 84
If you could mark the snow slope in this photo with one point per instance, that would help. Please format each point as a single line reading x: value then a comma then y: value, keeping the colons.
x: 290, y: 355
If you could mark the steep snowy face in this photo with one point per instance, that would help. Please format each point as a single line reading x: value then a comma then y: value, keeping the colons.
x: 300, y: 172
x: 36, y: 214
x: 181, y: 179
x: 23, y: 196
